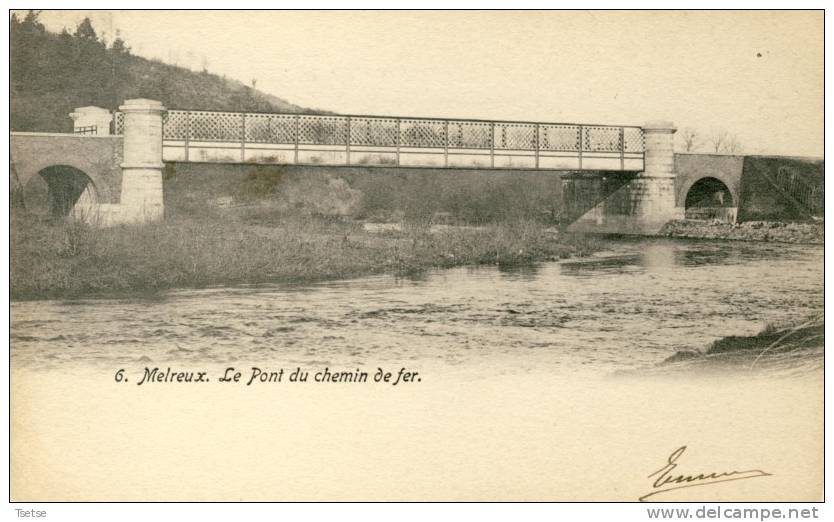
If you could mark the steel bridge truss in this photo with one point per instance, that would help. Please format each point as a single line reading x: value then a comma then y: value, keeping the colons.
x: 236, y: 137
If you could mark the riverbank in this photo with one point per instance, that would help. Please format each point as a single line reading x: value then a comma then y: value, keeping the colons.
x: 69, y: 260
x: 768, y: 231
x: 786, y: 348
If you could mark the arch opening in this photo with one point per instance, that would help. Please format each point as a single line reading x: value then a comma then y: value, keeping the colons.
x: 61, y: 191
x: 710, y: 198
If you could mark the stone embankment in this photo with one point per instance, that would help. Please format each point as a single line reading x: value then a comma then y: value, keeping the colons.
x: 770, y: 231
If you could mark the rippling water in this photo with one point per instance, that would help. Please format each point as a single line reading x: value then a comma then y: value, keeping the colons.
x: 630, y: 306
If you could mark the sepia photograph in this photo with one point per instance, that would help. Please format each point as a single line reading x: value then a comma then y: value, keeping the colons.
x: 417, y: 256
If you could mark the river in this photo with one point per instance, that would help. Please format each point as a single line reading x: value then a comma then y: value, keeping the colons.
x: 629, y: 306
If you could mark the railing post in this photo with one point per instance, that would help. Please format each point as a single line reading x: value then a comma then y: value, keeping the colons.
x: 622, y: 148
x: 399, y: 121
x: 581, y: 144
x: 347, y: 141
x: 537, y: 145
x: 492, y: 145
x: 446, y: 143
x: 187, y: 132
x: 297, y: 125
x: 243, y: 137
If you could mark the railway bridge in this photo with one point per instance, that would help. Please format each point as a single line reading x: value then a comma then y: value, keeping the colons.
x: 615, y: 178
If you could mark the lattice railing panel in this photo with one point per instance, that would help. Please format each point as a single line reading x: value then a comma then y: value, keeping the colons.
x: 377, y: 132
x: 175, y: 125
x: 215, y: 126
x: 559, y: 137
x: 601, y: 139
x: 422, y: 133
x: 470, y: 135
x: 483, y: 137
x: 322, y: 130
x: 633, y: 139
x: 515, y: 136
x: 270, y: 128
x: 118, y: 123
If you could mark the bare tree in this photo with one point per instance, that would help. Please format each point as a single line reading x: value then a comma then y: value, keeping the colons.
x: 722, y: 142
x: 690, y: 139
x: 732, y: 145
x: 717, y: 140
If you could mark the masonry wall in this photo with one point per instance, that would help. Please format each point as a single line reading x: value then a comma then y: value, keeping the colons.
x: 759, y: 200
x: 749, y: 180
x: 98, y: 157
x: 692, y: 167
x: 465, y: 195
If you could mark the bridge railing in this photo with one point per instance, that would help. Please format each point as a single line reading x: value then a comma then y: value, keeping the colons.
x: 86, y: 130
x: 215, y: 136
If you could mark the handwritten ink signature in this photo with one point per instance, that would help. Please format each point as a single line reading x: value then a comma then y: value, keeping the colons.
x: 665, y: 481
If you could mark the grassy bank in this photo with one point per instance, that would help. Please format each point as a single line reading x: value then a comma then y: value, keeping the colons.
x: 792, y: 348
x: 251, y: 246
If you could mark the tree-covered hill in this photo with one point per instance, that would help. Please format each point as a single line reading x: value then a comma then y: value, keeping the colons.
x: 52, y: 74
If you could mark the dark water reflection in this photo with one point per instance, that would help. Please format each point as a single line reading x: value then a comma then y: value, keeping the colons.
x: 630, y: 306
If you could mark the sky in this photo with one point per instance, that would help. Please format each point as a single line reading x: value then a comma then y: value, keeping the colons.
x: 758, y: 75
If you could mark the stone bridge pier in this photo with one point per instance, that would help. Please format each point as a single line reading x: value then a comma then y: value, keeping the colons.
x: 640, y: 203
x: 142, y: 199
x: 654, y: 189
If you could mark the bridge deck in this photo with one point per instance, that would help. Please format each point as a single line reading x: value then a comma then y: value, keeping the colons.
x: 270, y: 138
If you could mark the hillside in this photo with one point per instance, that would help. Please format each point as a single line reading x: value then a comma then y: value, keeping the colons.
x: 52, y: 74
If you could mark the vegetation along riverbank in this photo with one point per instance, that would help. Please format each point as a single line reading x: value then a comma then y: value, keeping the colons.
x: 256, y: 246
x: 252, y: 225
x: 789, y: 349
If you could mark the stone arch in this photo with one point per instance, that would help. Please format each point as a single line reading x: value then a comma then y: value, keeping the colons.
x: 98, y: 157
x: 59, y: 191
x: 709, y: 197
